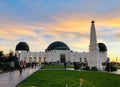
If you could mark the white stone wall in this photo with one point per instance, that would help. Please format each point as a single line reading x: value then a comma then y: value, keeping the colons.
x: 103, y: 56
x: 54, y: 56
x: 51, y: 56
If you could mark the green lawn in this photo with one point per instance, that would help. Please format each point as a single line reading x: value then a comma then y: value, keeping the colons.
x: 58, y: 78
x: 55, y: 67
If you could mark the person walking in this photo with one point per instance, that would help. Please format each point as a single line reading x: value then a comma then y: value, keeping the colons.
x: 21, y: 66
x: 24, y: 64
x: 65, y: 65
x: 12, y: 66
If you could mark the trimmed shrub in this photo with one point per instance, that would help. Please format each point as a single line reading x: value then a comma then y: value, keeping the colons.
x: 113, y: 68
x: 76, y: 65
x: 94, y: 68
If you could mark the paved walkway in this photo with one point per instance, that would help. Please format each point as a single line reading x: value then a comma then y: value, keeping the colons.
x: 11, y: 80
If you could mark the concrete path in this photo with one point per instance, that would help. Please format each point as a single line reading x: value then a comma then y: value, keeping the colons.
x: 12, y: 79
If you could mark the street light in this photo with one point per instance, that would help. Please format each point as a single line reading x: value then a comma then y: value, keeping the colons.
x: 116, y: 60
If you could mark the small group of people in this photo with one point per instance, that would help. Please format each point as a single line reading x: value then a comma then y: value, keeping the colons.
x: 34, y: 64
x: 20, y: 65
x: 109, y: 67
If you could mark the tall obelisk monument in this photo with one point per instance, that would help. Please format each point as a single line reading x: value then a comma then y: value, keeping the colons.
x: 94, y: 59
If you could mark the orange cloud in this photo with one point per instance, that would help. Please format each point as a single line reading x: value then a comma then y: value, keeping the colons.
x: 12, y: 32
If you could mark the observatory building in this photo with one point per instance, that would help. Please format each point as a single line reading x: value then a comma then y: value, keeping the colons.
x: 59, y: 51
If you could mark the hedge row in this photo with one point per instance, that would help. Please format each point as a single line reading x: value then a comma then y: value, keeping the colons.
x: 4, y: 66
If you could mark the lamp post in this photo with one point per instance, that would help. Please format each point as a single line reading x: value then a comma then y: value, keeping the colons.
x: 116, y: 60
x: 19, y: 52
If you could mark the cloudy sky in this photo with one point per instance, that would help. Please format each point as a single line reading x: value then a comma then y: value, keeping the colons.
x: 41, y: 22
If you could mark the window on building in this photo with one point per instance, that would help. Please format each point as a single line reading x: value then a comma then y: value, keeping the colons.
x: 30, y: 59
x: 45, y: 60
x: 35, y: 59
x: 39, y: 59
x: 80, y: 60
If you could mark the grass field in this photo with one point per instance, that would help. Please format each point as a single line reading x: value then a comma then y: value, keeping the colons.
x: 59, y: 78
x: 55, y: 67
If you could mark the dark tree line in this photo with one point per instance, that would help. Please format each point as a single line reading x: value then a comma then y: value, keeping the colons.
x: 7, y: 57
x: 5, y: 60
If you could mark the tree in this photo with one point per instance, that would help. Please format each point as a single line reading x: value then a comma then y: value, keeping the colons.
x: 1, y: 55
x: 12, y: 56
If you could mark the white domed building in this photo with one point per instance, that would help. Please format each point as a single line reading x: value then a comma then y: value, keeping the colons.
x: 60, y: 51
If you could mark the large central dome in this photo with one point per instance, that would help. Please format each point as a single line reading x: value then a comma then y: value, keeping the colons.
x: 57, y: 46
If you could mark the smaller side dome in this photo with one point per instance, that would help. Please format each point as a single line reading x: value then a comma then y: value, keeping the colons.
x: 102, y: 47
x: 22, y: 46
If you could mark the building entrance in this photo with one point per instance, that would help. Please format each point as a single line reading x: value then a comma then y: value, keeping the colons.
x: 62, y: 58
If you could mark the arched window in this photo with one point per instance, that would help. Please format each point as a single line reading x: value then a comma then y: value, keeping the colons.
x: 35, y: 59
x: 80, y: 60
x: 85, y: 60
x: 39, y: 59
x: 30, y: 59
x: 45, y: 60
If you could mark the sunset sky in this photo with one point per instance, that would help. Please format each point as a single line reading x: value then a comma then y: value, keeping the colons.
x: 41, y: 22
